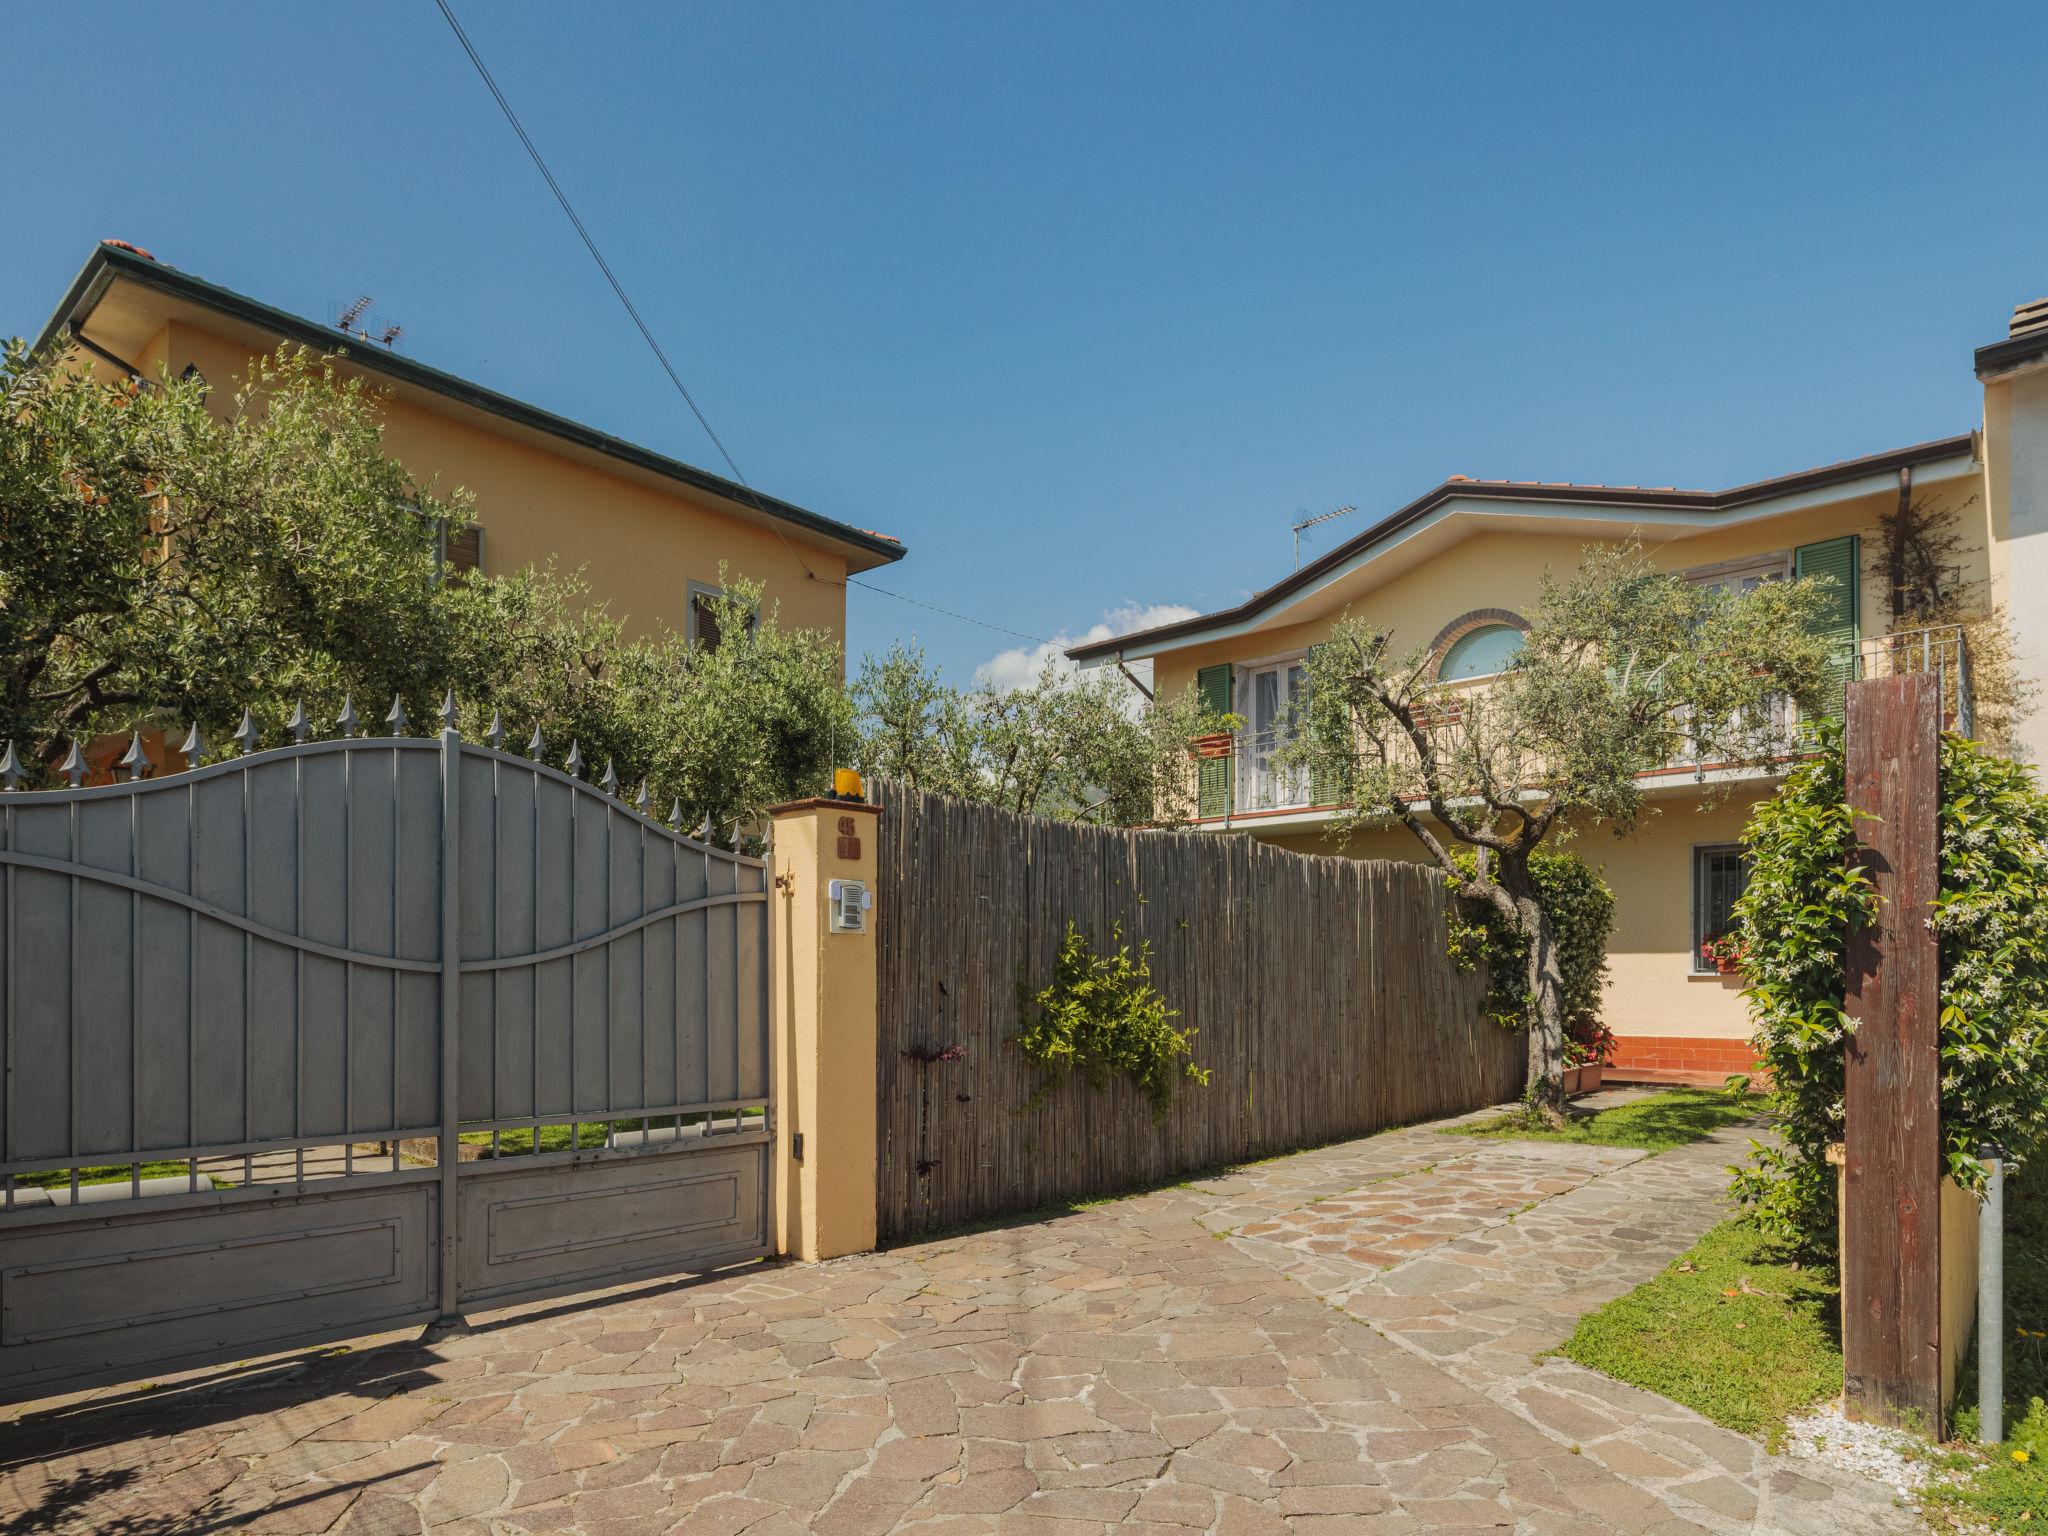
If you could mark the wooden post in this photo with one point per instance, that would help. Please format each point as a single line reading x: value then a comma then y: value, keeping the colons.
x: 1891, y: 1189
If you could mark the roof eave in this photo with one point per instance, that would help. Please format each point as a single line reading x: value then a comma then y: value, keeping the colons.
x: 108, y: 263
x: 1658, y: 501
x: 2012, y: 354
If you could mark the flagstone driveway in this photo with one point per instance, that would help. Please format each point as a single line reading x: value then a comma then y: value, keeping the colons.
x: 1344, y: 1340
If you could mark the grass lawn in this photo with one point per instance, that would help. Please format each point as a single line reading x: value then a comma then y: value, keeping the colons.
x: 60, y: 1178
x: 1655, y: 1124
x: 1734, y: 1329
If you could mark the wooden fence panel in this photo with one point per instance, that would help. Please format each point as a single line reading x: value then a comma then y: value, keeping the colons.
x: 1322, y: 1000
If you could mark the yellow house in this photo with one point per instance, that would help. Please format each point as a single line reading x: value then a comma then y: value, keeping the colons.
x: 1455, y: 571
x: 650, y: 532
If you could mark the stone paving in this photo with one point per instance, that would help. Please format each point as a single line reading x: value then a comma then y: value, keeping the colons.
x: 1345, y: 1340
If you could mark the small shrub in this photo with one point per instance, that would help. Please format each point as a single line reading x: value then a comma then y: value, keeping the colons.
x: 1581, y: 909
x: 1102, y: 1016
x: 1804, y: 898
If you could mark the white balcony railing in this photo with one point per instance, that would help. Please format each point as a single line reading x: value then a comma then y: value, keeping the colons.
x: 1259, y: 784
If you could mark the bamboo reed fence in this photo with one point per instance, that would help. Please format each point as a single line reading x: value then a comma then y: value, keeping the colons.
x: 1324, y: 1005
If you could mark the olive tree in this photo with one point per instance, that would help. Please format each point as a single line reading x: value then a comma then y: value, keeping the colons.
x: 163, y: 555
x: 1624, y: 669
x: 169, y: 556
x: 1075, y: 746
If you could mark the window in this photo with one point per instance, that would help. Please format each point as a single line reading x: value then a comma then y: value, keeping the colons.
x: 703, y: 618
x: 1719, y: 876
x: 1738, y: 578
x: 455, y: 553
x: 1275, y: 694
x: 1480, y: 652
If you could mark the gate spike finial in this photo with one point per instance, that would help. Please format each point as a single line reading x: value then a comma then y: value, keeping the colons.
x: 194, y: 747
x: 675, y: 814
x: 73, y: 766
x: 610, y: 782
x: 347, y: 720
x: 10, y: 769
x: 640, y: 800
x: 574, y: 762
x: 704, y: 829
x: 537, y: 745
x: 496, y: 734
x: 245, y: 733
x: 299, y: 725
x: 135, y: 759
x: 448, y: 716
x: 396, y: 719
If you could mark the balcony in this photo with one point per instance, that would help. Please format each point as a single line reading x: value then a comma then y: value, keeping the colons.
x: 1262, y: 788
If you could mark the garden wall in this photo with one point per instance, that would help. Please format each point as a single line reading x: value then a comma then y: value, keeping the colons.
x: 1324, y: 1004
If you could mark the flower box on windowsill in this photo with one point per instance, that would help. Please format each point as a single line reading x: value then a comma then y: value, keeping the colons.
x: 1218, y: 745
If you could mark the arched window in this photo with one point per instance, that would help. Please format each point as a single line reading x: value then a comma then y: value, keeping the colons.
x: 1480, y: 652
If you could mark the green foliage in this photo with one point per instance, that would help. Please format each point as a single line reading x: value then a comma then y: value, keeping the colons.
x: 163, y: 559
x: 1102, y: 1016
x: 1623, y: 668
x: 1735, y: 1329
x: 1804, y: 898
x: 727, y: 730
x: 1074, y: 746
x: 1581, y: 910
x: 1995, y: 1488
x: 168, y: 558
x: 1656, y: 1123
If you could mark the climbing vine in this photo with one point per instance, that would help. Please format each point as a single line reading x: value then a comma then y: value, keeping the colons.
x: 1581, y: 909
x: 1804, y: 897
x: 1101, y: 1016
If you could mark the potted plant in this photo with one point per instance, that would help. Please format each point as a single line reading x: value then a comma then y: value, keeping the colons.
x: 1724, y: 953
x: 1588, y: 1049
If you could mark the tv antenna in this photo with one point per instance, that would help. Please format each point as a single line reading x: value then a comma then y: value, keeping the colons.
x: 356, y: 319
x: 1309, y: 522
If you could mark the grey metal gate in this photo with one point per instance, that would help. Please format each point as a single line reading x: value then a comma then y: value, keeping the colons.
x: 233, y: 989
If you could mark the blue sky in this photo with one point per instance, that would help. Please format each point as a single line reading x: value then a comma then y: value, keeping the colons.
x: 1088, y: 303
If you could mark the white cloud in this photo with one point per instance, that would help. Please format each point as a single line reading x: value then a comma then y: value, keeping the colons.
x: 1021, y: 665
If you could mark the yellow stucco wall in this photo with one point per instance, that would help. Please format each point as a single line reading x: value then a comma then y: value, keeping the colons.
x: 1652, y: 989
x: 639, y: 545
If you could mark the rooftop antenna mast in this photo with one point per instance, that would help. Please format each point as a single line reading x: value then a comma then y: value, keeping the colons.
x: 1310, y: 522
x: 355, y: 319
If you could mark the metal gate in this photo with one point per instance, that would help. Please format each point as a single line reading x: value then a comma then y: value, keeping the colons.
x: 234, y: 989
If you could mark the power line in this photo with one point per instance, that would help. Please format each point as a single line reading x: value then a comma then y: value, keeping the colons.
x: 619, y: 288
x: 604, y: 266
x: 854, y: 581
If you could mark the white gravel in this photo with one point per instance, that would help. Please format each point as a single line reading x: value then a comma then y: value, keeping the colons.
x: 1892, y: 1456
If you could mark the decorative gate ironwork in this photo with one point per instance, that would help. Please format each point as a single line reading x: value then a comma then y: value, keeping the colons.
x: 234, y: 989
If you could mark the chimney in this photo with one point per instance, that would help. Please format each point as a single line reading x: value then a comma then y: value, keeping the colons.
x: 2029, y: 318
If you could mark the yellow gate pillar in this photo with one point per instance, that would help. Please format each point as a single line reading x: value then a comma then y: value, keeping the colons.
x: 824, y: 979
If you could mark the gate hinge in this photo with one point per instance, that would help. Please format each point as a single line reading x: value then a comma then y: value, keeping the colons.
x: 796, y: 1145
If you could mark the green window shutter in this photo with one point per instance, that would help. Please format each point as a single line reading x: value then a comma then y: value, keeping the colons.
x: 1214, y: 686
x: 1839, y: 560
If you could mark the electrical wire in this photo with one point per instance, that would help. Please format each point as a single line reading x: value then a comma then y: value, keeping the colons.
x: 854, y: 581
x: 647, y: 335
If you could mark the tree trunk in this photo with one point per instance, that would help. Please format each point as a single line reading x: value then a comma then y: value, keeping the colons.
x: 1546, y: 1018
